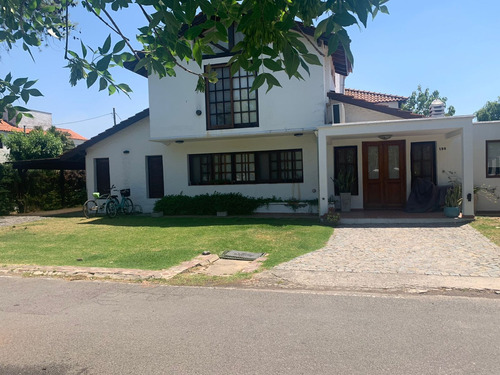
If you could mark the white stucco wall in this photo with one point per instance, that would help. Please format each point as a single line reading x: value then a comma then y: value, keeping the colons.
x: 358, y: 114
x: 126, y: 170
x: 297, y: 105
x: 129, y: 170
x: 485, y: 131
x: 177, y: 166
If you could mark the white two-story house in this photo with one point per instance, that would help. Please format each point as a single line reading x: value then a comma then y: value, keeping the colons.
x: 289, y: 142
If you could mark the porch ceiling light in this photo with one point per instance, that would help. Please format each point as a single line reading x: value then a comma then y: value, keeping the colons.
x: 385, y: 137
x: 179, y: 141
x: 298, y: 134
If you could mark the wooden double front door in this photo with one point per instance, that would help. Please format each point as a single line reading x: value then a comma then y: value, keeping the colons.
x: 384, y: 174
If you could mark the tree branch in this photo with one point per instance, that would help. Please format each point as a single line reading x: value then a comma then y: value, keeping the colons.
x: 119, y: 32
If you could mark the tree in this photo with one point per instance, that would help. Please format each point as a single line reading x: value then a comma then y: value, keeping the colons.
x: 489, y: 112
x: 37, y: 144
x: 420, y: 101
x: 174, y: 34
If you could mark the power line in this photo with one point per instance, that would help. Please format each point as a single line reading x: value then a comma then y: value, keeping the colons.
x: 88, y: 119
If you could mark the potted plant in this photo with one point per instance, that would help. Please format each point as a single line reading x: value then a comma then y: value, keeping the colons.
x: 453, y: 200
x: 343, y: 184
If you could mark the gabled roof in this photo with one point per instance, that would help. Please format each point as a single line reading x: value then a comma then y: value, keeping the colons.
x: 372, y: 106
x: 374, y: 97
x: 342, y: 64
x: 6, y: 127
x: 79, y: 151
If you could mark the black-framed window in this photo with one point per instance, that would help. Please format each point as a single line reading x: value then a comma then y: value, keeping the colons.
x: 155, y: 176
x: 423, y: 161
x: 493, y: 159
x: 102, y: 179
x: 230, y: 103
x: 346, y: 161
x: 258, y: 167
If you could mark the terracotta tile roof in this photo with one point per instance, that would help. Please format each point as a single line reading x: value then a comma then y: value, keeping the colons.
x: 374, y: 97
x: 72, y: 134
x: 373, y: 106
x: 6, y: 127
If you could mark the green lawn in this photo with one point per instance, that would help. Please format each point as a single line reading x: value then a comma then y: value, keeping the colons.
x: 154, y: 243
x: 489, y: 227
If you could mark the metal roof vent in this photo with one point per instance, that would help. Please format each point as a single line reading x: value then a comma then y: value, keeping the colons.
x: 437, y: 108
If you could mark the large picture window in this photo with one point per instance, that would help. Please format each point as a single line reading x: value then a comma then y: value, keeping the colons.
x: 493, y: 158
x: 346, y: 161
x: 155, y: 176
x: 279, y: 166
x: 230, y: 103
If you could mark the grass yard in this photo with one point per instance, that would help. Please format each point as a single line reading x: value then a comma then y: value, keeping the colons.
x: 489, y: 227
x: 154, y: 243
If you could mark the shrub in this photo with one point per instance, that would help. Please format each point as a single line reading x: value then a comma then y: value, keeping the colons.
x: 208, y: 204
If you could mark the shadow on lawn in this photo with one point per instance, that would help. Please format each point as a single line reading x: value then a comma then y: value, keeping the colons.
x: 198, y: 221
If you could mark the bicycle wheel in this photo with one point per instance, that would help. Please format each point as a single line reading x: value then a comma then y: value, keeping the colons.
x: 111, y: 208
x: 90, y: 208
x: 128, y: 206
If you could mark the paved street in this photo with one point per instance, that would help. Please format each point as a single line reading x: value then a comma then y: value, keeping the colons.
x: 60, y: 327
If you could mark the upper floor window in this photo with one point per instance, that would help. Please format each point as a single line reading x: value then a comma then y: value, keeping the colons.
x: 230, y: 103
x: 493, y: 158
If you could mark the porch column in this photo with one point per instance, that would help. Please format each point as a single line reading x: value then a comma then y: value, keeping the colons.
x: 322, y: 174
x: 467, y: 170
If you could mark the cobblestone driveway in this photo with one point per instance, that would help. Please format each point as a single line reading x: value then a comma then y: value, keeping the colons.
x: 454, y: 250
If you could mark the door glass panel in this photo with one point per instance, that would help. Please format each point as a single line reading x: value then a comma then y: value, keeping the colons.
x: 393, y: 161
x: 373, y: 165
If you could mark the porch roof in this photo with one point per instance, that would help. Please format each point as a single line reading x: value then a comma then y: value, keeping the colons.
x: 450, y: 126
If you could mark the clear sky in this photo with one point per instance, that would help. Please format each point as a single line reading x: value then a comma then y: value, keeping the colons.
x: 449, y: 45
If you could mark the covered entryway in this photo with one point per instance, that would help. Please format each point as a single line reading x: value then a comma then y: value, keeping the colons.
x: 384, y: 174
x: 389, y: 155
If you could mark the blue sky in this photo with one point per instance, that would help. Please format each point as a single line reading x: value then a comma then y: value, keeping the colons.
x: 449, y: 45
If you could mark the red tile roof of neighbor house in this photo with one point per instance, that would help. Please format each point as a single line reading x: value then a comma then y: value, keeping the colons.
x: 6, y: 127
x: 374, y: 97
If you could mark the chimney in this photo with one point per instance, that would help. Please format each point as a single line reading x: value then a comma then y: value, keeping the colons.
x: 437, y: 108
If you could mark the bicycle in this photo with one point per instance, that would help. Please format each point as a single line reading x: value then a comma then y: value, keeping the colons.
x: 111, y: 204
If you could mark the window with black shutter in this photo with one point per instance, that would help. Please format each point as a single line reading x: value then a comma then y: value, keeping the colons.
x: 155, y: 176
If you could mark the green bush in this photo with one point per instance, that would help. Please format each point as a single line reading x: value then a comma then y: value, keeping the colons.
x: 7, y: 178
x: 208, y: 204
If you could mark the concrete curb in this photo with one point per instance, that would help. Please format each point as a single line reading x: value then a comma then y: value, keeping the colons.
x: 370, y: 281
x: 107, y: 273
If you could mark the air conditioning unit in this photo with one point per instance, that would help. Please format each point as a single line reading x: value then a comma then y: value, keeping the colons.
x: 338, y: 113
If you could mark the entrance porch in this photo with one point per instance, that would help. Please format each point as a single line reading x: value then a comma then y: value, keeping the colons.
x: 387, y: 156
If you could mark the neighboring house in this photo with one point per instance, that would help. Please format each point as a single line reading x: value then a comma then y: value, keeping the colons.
x: 289, y: 142
x: 40, y: 119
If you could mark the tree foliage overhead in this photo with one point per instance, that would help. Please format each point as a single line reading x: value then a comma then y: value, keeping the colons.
x: 37, y: 144
x: 489, y: 112
x: 420, y: 101
x: 172, y: 35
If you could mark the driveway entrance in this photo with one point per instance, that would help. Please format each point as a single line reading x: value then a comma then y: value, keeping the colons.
x: 445, y: 250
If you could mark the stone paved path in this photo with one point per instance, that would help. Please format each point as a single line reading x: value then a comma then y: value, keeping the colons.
x: 455, y: 250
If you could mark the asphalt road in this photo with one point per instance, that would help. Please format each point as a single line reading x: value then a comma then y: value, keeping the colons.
x: 61, y: 327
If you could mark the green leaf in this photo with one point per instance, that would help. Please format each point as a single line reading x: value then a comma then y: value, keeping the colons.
x: 291, y: 60
x: 25, y: 96
x: 197, y: 52
x: 106, y: 45
x: 119, y: 46
x: 20, y: 81
x: 311, y: 58
x: 35, y: 92
x: 124, y: 87
x: 28, y: 84
x: 333, y: 44
x: 91, y: 78
x: 84, y: 50
x: 102, y: 84
x: 111, y: 90
x: 270, y: 64
x: 103, y: 63
x: 259, y: 81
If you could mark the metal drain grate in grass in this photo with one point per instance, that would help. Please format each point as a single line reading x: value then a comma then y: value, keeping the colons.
x: 240, y: 255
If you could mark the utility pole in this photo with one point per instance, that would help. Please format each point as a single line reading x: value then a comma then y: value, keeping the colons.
x: 114, y: 116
